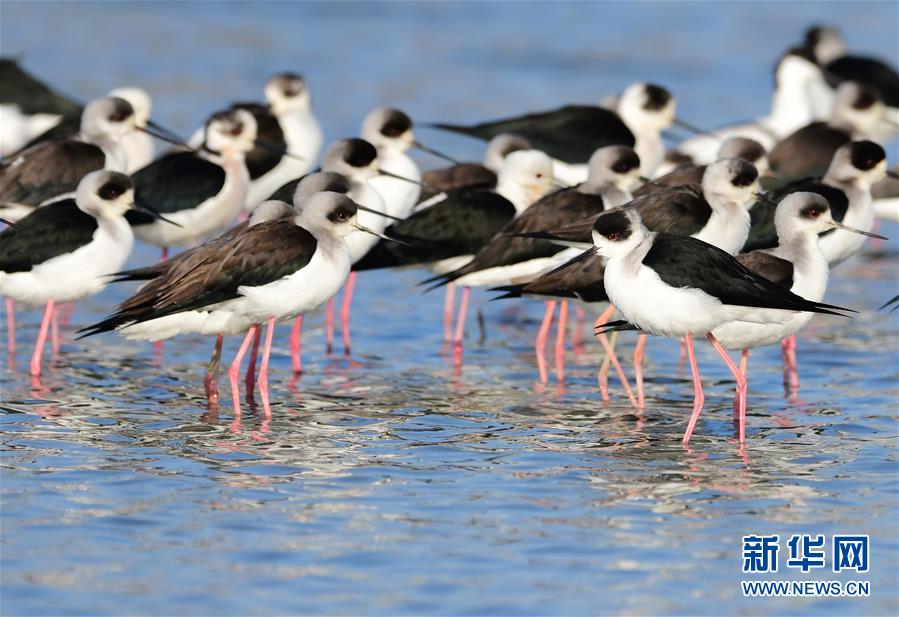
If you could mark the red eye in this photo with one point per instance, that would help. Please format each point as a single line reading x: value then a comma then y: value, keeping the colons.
x: 814, y: 213
x: 614, y: 236
x: 539, y: 175
x: 236, y: 130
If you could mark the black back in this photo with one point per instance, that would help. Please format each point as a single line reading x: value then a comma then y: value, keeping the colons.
x: 461, y: 176
x: 50, y: 231
x: 762, y: 231
x: 47, y: 170
x: 508, y: 247
x: 459, y: 225
x: 869, y: 71
x: 260, y: 161
x: 581, y: 277
x: 688, y: 173
x: 174, y: 182
x: 571, y: 133
x: 30, y: 95
x: 687, y: 262
x: 260, y: 255
x: 775, y: 269
x: 807, y: 151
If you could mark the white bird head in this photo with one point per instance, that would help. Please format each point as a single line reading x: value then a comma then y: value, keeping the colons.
x: 140, y: 102
x: 857, y: 109
x: 354, y: 158
x: 734, y: 180
x: 105, y: 194
x: 231, y: 132
x: 388, y: 129
x: 286, y: 92
x: 107, y: 119
x: 502, y: 146
x: 525, y: 177
x: 646, y: 107
x: 746, y: 149
x: 617, y: 166
x: 860, y: 163
x: 617, y: 232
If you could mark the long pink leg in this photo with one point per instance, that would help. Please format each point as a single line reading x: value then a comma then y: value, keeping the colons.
x: 345, y: 311
x: 698, y: 396
x: 263, y: 368
x: 210, y: 381
x: 35, y: 368
x: 234, y: 370
x: 617, y: 366
x: 560, y: 341
x: 295, y: 343
x: 460, y: 326
x: 791, y: 370
x: 741, y: 383
x: 449, y: 300
x: 250, y: 377
x: 603, y: 377
x: 542, y: 334
x: 11, y: 325
x: 744, y: 361
x: 165, y: 253
x: 54, y: 331
x: 638, y: 367
x: 329, y: 325
x: 577, y: 341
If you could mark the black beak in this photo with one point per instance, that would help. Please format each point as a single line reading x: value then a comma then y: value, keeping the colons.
x: 689, y: 127
x: 420, y: 146
x: 763, y: 198
x: 390, y: 174
x: 164, y: 136
x: 378, y: 212
x: 892, y: 174
x: 8, y: 223
x: 154, y: 214
x: 164, y: 131
x: 590, y: 252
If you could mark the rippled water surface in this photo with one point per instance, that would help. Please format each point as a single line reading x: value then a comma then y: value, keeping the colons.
x: 391, y: 483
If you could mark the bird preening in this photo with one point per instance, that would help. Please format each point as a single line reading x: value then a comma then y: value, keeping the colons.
x: 730, y: 235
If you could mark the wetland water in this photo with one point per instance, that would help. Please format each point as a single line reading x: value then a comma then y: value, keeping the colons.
x: 394, y: 484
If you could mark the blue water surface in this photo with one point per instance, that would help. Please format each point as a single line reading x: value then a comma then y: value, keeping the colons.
x: 392, y: 483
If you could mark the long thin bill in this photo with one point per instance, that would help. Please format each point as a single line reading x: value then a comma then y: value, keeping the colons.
x: 365, y: 229
x: 857, y: 231
x: 378, y: 212
x: 161, y: 129
x: 390, y: 174
x: 892, y: 174
x: 163, y: 137
x: 690, y: 127
x: 155, y: 215
x: 420, y: 146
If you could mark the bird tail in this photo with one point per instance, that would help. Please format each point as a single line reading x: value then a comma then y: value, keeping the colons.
x: 511, y: 291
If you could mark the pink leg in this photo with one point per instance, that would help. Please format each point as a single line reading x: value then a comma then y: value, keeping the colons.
x: 345, y: 311
x: 35, y: 368
x: 250, y: 377
x: 460, y: 326
x: 449, y: 301
x: 295, y: 345
x: 329, y: 325
x: 263, y: 369
x: 638, y: 367
x: 603, y: 376
x: 744, y: 361
x: 578, y: 339
x: 617, y: 366
x: 11, y: 325
x: 560, y: 341
x: 165, y: 253
x: 741, y: 383
x: 234, y: 370
x: 210, y: 381
x: 698, y: 397
x: 542, y: 334
x: 791, y: 370
x: 54, y: 331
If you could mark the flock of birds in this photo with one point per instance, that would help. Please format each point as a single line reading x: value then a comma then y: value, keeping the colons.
x: 729, y: 236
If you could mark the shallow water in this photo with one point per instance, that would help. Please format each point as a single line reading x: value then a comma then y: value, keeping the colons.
x: 393, y: 483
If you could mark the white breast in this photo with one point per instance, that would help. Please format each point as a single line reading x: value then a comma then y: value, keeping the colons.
x: 76, y: 275
x: 399, y: 196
